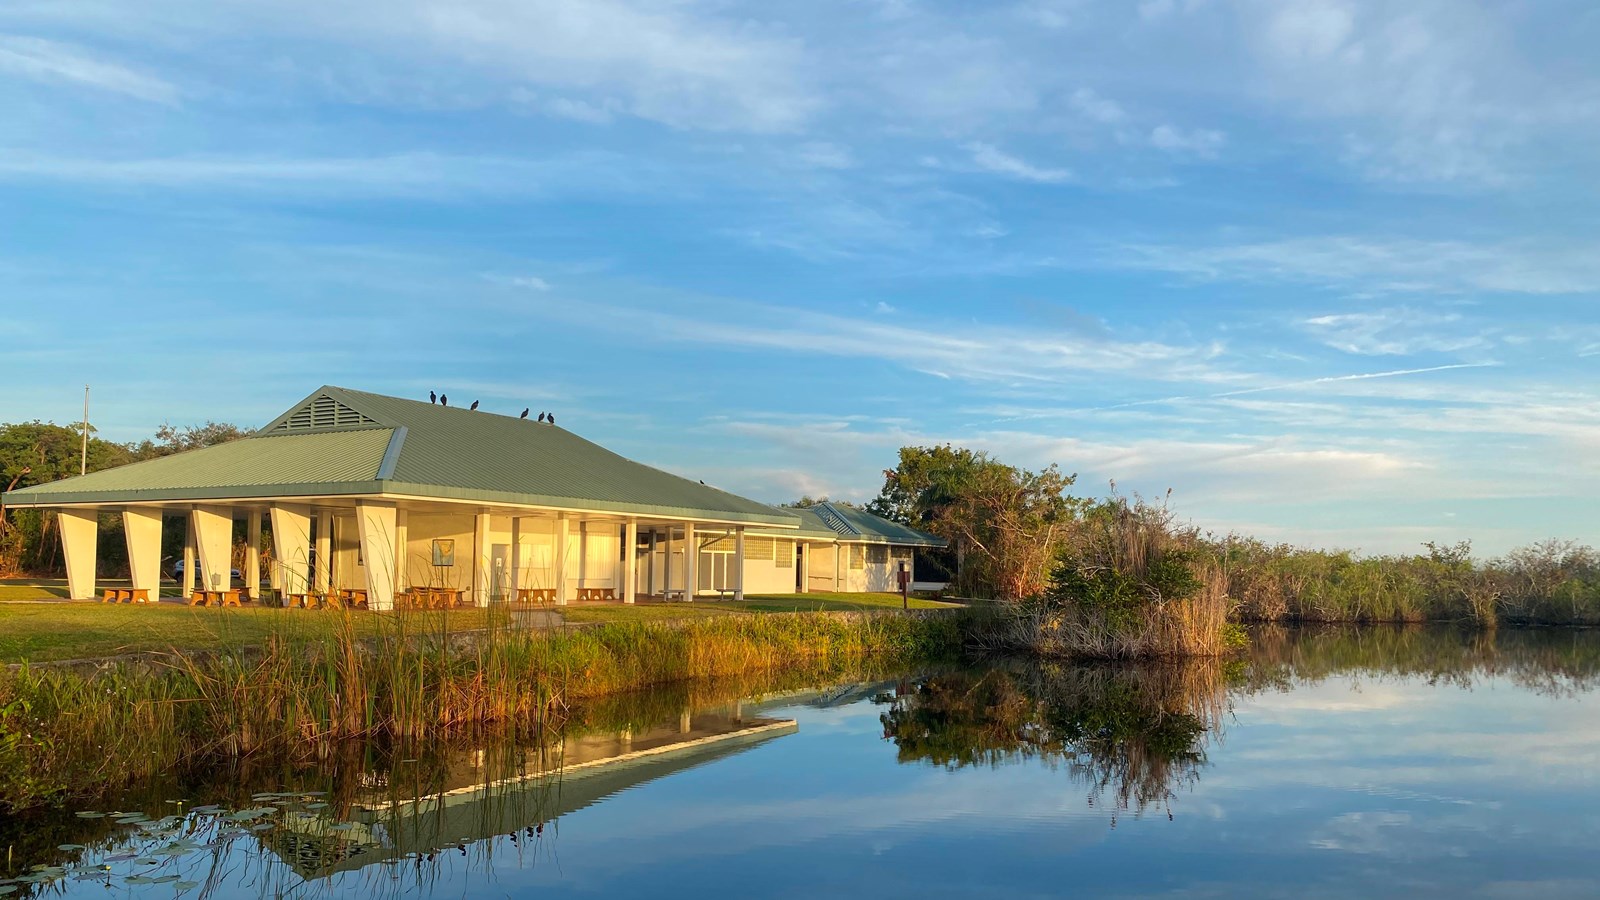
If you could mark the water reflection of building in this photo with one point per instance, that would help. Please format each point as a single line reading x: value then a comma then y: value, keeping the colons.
x: 530, y: 788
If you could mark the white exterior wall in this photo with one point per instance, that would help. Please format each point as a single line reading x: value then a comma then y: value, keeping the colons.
x: 422, y: 529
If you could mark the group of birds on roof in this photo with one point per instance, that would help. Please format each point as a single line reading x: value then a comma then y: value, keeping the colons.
x: 442, y: 400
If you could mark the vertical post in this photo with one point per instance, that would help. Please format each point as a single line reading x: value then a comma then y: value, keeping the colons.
x: 252, y: 556
x: 480, y: 559
x: 83, y: 458
x: 213, y: 535
x: 691, y: 562
x: 291, y: 548
x: 563, y: 534
x: 376, y: 524
x: 630, y: 560
x: 666, y: 565
x: 142, y: 528
x: 838, y: 564
x: 516, y: 556
x: 738, y: 563
x: 322, y: 573
x: 583, y: 554
x: 80, y: 541
x: 803, y: 549
x: 188, y: 555
x: 402, y: 551
x: 650, y: 567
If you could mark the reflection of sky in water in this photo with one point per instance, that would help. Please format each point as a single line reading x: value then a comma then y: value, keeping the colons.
x: 1348, y: 787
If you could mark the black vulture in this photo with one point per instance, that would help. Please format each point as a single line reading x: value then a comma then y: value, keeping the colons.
x: 474, y: 405
x: 524, y: 414
x: 541, y: 417
x: 552, y: 419
x: 432, y: 397
x: 443, y: 400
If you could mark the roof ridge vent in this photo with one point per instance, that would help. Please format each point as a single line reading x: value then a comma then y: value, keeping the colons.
x: 322, y: 411
x: 832, y: 519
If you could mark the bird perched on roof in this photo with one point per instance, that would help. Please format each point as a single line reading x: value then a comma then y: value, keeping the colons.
x: 541, y: 417
x: 443, y: 400
x: 474, y: 405
x: 551, y: 420
x: 432, y: 397
x: 524, y: 414
x: 702, y: 481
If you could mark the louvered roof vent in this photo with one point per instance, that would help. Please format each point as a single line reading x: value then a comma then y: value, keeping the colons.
x: 323, y: 411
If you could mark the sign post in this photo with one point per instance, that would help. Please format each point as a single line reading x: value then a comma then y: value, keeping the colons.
x: 905, y: 587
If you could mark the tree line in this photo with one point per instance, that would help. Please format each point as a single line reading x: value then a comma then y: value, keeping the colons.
x: 41, y: 452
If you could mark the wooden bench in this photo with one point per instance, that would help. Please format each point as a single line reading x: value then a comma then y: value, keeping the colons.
x: 355, y: 598
x: 597, y: 593
x: 433, y: 598
x: 125, y: 595
x: 536, y: 595
x: 214, y: 598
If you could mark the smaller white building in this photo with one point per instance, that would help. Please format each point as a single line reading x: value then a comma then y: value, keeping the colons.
x: 836, y: 548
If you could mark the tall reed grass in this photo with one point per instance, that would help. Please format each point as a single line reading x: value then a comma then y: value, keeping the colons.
x: 67, y: 727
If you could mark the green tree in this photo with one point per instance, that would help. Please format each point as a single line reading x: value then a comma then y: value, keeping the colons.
x: 1004, y: 523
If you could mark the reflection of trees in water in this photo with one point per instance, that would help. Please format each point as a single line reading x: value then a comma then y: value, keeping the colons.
x: 1546, y: 661
x: 1137, y: 735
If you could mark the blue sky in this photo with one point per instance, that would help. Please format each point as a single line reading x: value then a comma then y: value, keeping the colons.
x: 1327, y: 270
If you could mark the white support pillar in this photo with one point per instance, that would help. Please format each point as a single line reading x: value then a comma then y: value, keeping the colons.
x: 252, y: 555
x: 516, y: 556
x: 650, y: 564
x: 80, y: 541
x: 838, y: 564
x: 738, y: 563
x: 402, y: 552
x: 291, y: 548
x: 666, y: 564
x: 481, y: 562
x: 322, y: 574
x: 804, y: 562
x: 583, y: 555
x: 630, y: 561
x: 187, y: 587
x: 691, y: 562
x: 213, y: 535
x: 376, y: 523
x: 142, y: 528
x: 563, y: 538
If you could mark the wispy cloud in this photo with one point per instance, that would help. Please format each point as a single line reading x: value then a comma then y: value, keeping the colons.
x: 992, y: 159
x: 59, y: 63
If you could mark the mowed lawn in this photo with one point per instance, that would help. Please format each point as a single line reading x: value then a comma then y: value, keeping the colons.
x: 39, y: 632
x: 783, y: 603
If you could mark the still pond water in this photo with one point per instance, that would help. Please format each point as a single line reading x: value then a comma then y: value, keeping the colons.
x: 1335, y: 763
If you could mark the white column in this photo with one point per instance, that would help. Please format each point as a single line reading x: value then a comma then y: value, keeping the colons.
x: 213, y: 535
x: 142, y: 528
x: 516, y: 556
x: 480, y: 559
x: 252, y: 556
x: 666, y: 564
x: 738, y: 563
x: 402, y: 552
x: 650, y: 565
x: 804, y: 562
x: 187, y: 587
x: 691, y: 562
x: 563, y: 536
x: 630, y: 561
x: 376, y: 523
x: 583, y: 554
x: 322, y: 575
x: 291, y: 548
x: 80, y: 541
x: 838, y: 564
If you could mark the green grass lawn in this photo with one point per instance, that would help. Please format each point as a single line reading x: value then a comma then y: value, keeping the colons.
x: 812, y: 602
x: 30, y: 592
x: 50, y: 631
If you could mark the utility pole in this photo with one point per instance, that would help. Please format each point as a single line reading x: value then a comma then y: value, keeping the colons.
x: 83, y: 458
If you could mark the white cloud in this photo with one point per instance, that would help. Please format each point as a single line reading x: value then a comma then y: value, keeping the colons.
x: 1097, y: 108
x: 992, y: 159
x: 1202, y: 142
x: 824, y: 155
x: 1395, y: 332
x: 51, y: 61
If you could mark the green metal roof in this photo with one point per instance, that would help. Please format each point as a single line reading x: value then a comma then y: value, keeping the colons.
x: 852, y: 525
x: 339, y: 441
